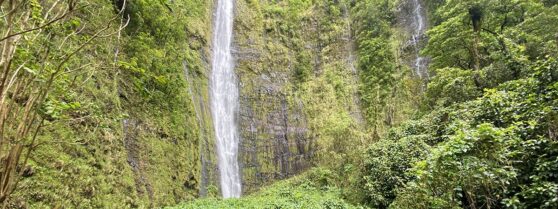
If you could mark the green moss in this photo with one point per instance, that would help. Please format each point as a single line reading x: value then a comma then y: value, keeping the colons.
x: 295, y: 74
x: 89, y: 158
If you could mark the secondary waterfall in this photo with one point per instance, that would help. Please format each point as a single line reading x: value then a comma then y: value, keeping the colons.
x: 419, y: 30
x: 224, y: 100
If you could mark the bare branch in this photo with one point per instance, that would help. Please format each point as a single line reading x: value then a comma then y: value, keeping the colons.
x: 37, y: 28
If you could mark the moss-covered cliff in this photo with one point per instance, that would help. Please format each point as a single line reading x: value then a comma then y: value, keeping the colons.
x: 141, y: 133
x: 298, y: 87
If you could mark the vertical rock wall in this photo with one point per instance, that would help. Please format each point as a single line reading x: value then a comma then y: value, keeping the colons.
x: 289, y: 58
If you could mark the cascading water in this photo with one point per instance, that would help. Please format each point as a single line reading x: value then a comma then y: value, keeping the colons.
x: 419, y: 30
x: 224, y: 100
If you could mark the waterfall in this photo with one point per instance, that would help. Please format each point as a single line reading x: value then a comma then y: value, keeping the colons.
x: 419, y: 30
x: 224, y: 100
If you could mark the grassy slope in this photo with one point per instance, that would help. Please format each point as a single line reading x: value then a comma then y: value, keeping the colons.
x: 309, y: 190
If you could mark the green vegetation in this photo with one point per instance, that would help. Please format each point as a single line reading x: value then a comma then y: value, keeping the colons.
x: 112, y: 124
x: 310, y: 190
x: 104, y: 104
x: 484, y: 136
x: 497, y: 150
x: 388, y: 91
x: 298, y: 92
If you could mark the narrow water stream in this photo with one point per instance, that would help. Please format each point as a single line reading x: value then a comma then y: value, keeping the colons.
x: 224, y: 100
x: 419, y: 30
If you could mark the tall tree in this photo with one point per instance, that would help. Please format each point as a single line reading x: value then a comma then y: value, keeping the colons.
x: 39, y: 41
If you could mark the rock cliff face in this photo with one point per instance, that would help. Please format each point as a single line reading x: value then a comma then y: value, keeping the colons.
x: 275, y: 142
x: 290, y: 58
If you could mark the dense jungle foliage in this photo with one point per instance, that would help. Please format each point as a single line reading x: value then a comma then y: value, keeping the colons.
x: 485, y: 132
x: 104, y: 104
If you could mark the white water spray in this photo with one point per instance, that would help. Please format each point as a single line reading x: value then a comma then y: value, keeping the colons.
x: 224, y: 100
